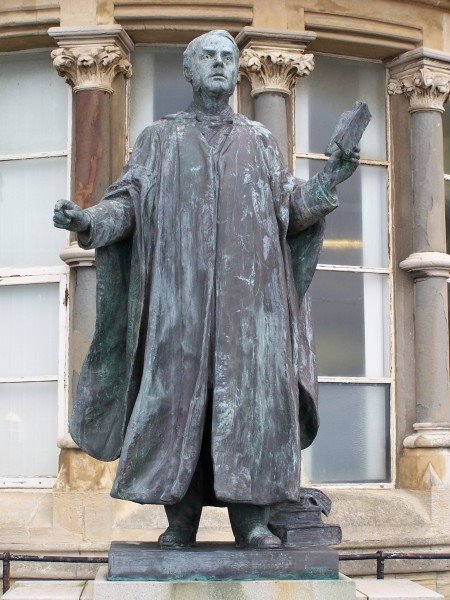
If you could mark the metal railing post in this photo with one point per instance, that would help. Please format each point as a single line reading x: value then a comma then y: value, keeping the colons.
x: 6, y: 558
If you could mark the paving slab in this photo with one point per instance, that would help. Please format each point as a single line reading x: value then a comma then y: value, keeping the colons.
x: 45, y: 590
x: 394, y: 589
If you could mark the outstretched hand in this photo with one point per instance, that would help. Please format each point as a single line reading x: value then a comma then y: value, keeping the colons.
x: 340, y: 167
x: 68, y: 215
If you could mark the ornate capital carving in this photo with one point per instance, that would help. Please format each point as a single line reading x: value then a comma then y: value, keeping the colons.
x: 274, y: 70
x: 91, y: 67
x: 91, y: 58
x: 426, y: 88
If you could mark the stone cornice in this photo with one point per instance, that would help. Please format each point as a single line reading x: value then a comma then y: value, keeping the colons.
x: 439, y: 4
x: 423, y: 75
x: 273, y: 60
x: 427, y: 264
x: 91, y: 58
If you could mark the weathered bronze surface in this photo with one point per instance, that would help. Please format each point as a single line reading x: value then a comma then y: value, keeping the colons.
x: 219, y: 562
x: 300, y: 524
x: 201, y: 374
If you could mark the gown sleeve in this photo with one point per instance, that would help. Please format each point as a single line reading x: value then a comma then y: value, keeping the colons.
x: 113, y: 218
x: 307, y: 202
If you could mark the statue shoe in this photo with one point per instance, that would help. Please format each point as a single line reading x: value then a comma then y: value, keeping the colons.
x: 177, y: 537
x: 259, y: 536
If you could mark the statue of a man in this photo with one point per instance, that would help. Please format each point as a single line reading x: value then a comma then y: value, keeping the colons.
x: 201, y: 372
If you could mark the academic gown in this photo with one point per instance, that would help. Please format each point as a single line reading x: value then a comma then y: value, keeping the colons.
x: 203, y: 252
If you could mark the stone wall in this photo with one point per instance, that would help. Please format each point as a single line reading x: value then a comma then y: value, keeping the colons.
x: 77, y: 516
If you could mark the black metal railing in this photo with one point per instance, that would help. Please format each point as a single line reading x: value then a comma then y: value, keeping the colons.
x: 7, y: 558
x: 380, y: 557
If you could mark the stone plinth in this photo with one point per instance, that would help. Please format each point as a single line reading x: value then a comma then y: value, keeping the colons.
x: 337, y: 589
x: 218, y: 562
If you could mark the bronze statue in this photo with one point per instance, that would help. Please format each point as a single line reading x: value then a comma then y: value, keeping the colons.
x: 201, y: 372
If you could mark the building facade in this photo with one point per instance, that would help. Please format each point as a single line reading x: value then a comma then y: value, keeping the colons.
x: 379, y: 296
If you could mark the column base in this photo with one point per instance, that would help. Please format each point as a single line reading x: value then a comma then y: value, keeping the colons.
x: 79, y: 472
x: 429, y: 435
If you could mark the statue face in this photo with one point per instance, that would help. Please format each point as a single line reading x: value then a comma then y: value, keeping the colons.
x: 214, y: 66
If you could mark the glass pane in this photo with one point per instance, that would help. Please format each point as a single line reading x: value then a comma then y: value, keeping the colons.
x: 158, y: 87
x: 333, y: 87
x: 33, y: 105
x: 28, y: 429
x: 350, y: 315
x: 353, y: 440
x: 28, y: 192
x: 29, y: 324
x: 446, y: 123
x: 356, y: 232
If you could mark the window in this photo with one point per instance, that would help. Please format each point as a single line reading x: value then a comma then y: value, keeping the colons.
x: 158, y: 86
x: 33, y: 280
x: 350, y: 290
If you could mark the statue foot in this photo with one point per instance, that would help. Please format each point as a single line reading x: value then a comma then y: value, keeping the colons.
x: 176, y: 537
x: 258, y: 536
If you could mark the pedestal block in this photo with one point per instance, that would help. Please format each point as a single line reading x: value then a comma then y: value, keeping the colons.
x: 219, y: 562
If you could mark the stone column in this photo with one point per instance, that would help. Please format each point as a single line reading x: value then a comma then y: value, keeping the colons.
x: 424, y: 77
x: 89, y: 60
x: 273, y: 60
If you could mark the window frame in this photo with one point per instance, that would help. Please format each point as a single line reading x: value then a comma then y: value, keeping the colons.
x: 46, y: 275
x: 388, y: 271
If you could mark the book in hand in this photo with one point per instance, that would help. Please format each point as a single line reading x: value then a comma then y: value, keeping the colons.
x: 349, y: 130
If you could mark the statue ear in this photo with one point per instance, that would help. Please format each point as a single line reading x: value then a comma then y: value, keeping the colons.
x: 187, y: 73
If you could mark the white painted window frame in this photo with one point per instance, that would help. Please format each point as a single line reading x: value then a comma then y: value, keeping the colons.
x: 388, y: 271
x: 43, y: 275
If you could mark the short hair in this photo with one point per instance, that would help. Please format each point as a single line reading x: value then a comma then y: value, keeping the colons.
x: 191, y: 48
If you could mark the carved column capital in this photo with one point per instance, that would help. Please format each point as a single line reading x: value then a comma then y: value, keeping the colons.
x: 424, y: 77
x: 274, y: 71
x: 272, y: 60
x: 91, y: 59
x: 426, y: 88
x: 91, y: 67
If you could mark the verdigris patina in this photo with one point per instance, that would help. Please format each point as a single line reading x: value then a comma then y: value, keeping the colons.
x: 201, y: 373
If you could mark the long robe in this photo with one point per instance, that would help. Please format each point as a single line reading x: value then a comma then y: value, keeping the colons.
x: 203, y: 253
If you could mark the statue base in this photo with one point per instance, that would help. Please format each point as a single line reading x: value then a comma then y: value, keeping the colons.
x: 318, y: 589
x: 219, y: 562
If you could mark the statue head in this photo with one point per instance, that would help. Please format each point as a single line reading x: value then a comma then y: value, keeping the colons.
x: 211, y: 63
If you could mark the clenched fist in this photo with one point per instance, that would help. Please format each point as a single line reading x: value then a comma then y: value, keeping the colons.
x: 69, y: 215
